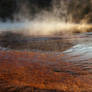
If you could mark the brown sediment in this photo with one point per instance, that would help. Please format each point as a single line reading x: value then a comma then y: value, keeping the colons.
x: 41, y: 72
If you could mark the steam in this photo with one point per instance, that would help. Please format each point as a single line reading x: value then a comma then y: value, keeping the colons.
x: 44, y: 27
x: 57, y: 20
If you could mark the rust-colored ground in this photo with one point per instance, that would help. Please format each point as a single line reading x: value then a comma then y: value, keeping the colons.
x: 41, y: 72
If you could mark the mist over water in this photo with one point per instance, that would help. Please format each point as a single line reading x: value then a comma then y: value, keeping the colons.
x: 43, y: 27
x: 57, y: 22
x: 45, y: 22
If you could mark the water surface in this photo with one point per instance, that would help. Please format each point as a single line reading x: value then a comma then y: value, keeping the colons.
x: 81, y: 53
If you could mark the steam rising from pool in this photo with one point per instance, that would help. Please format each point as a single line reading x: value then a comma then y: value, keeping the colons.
x: 45, y: 22
x: 43, y: 27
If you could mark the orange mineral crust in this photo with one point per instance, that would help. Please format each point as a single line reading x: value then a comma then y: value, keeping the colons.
x: 22, y: 71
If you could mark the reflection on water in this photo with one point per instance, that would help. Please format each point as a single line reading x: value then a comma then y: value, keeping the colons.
x: 81, y: 53
x: 11, y: 26
x: 82, y: 49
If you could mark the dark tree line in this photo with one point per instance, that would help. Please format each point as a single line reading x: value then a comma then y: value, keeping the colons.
x: 7, y: 9
x: 79, y: 9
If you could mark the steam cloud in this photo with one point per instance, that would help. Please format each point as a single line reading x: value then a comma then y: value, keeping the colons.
x: 45, y: 22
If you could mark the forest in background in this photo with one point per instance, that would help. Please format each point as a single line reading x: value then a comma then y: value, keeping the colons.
x: 79, y: 10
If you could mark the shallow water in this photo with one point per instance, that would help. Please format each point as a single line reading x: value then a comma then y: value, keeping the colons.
x: 81, y: 53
